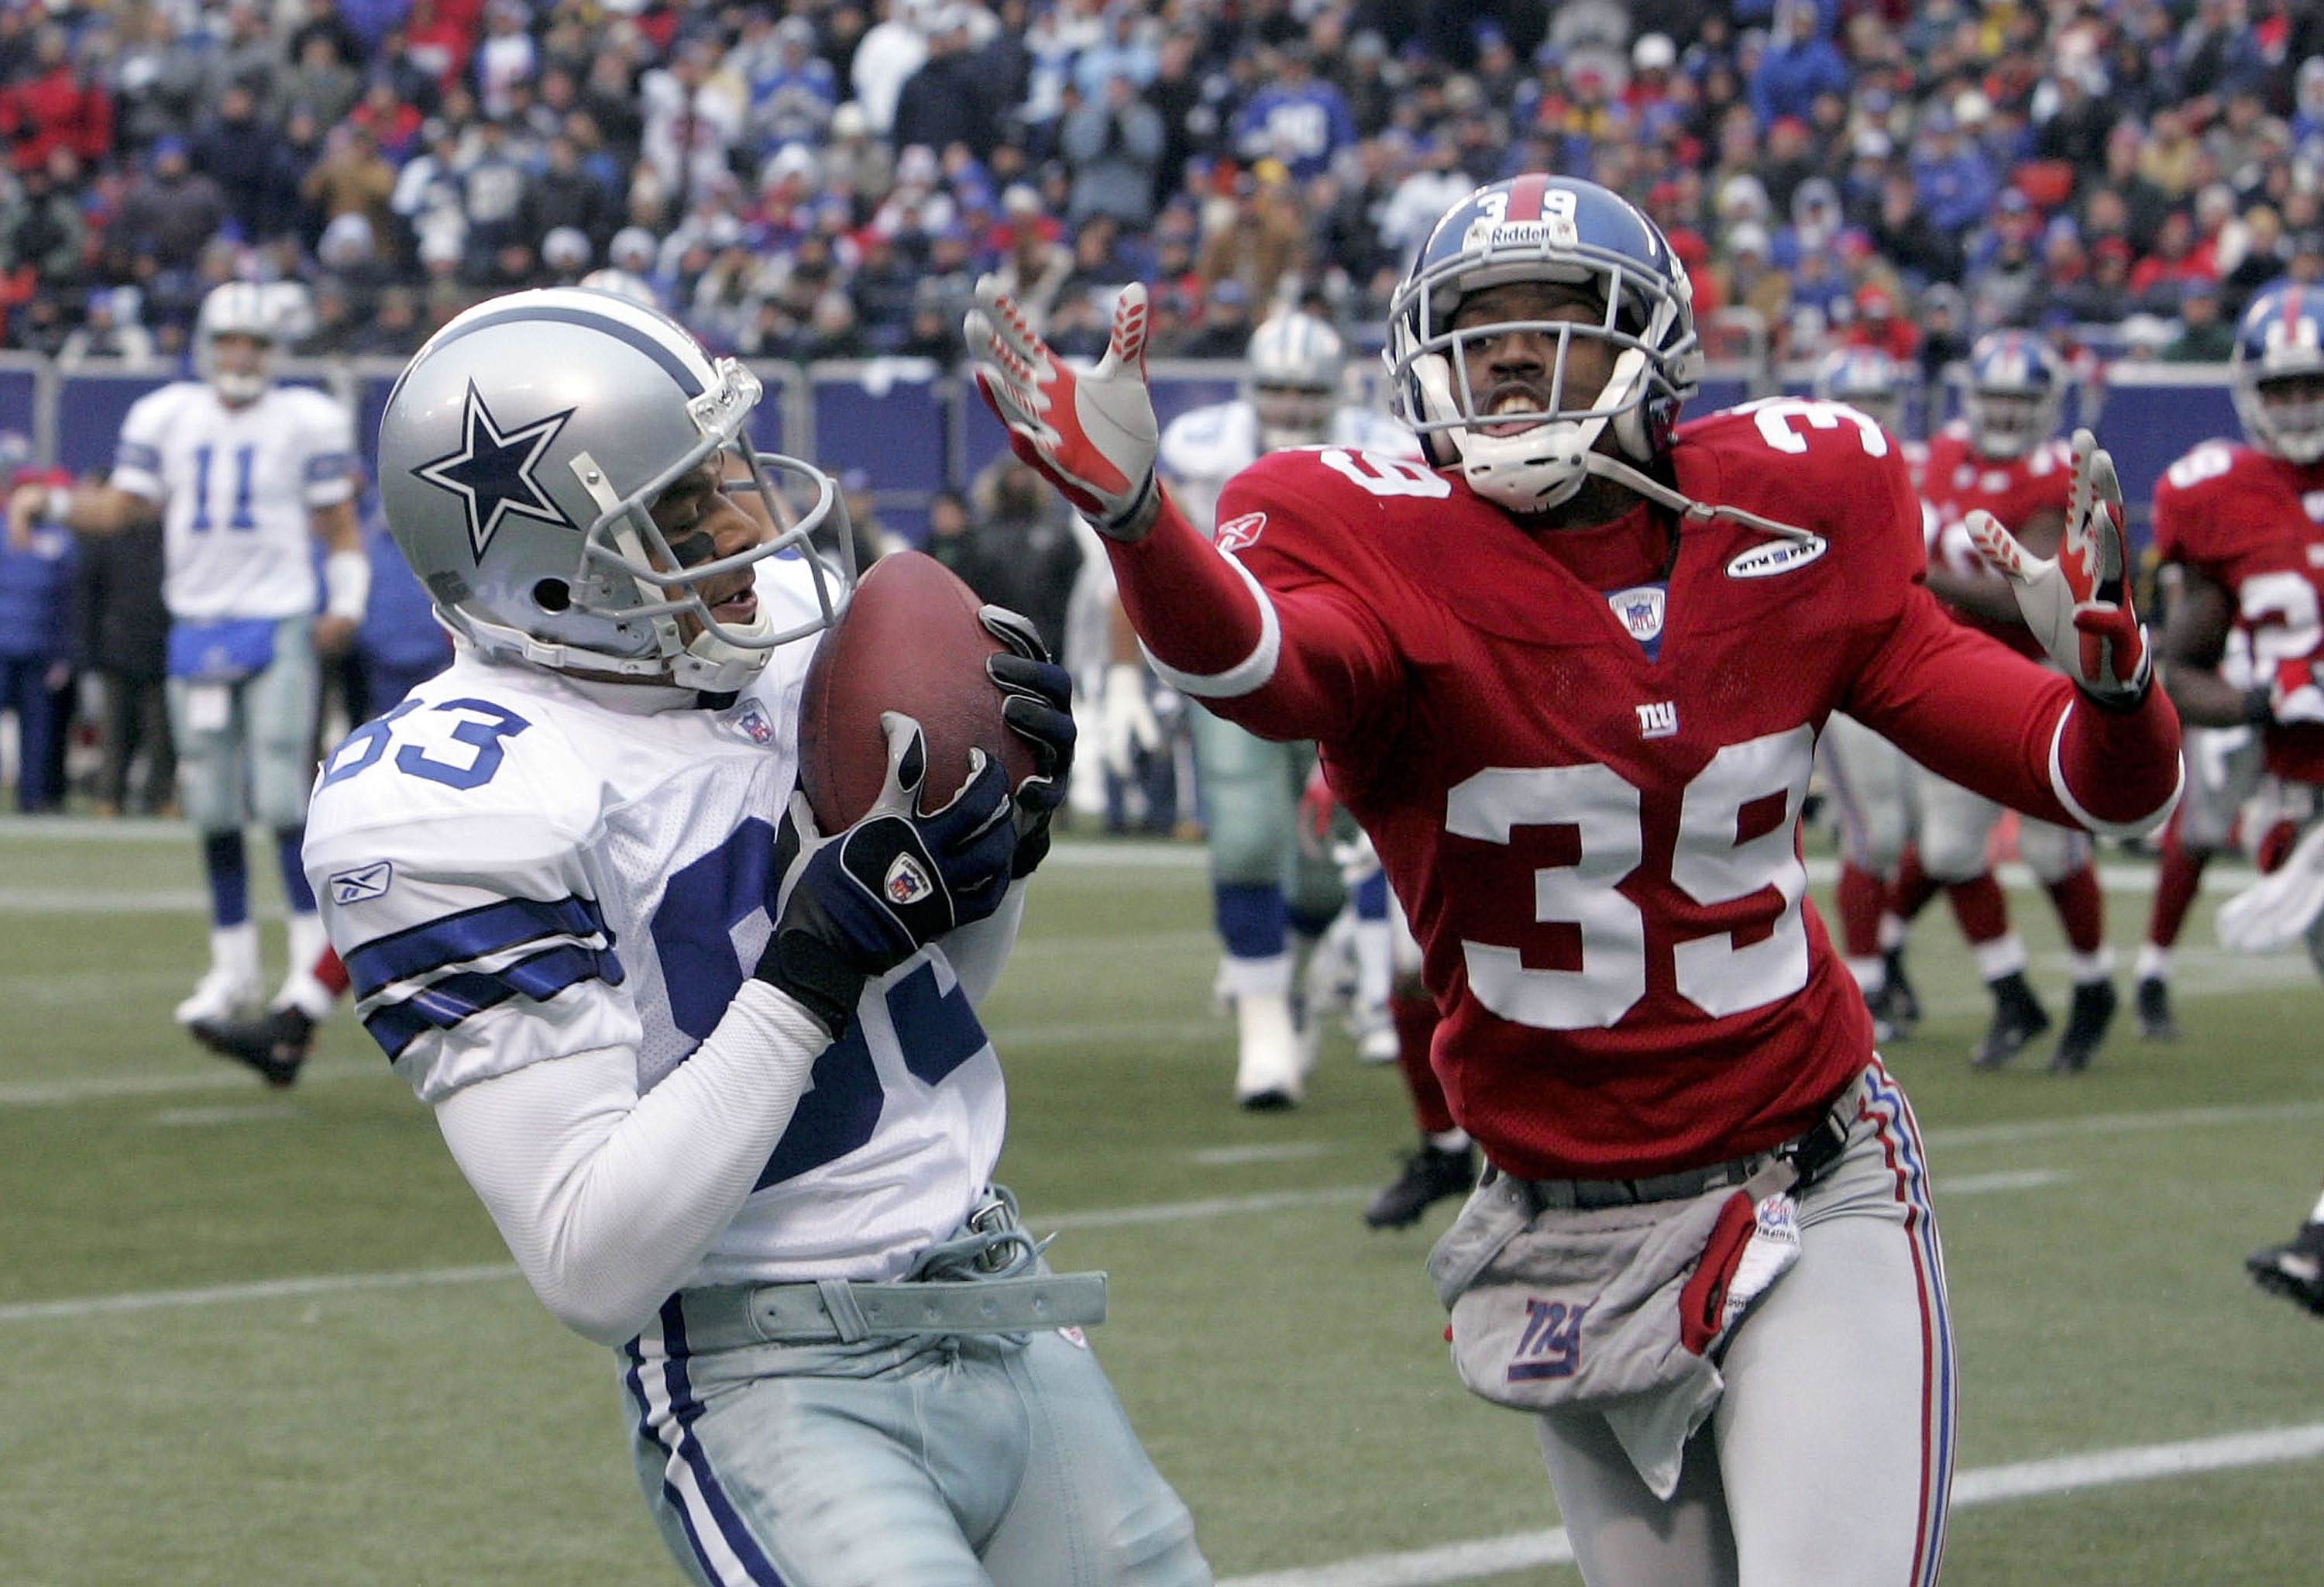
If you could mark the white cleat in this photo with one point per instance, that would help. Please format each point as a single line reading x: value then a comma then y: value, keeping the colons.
x: 1376, y: 1038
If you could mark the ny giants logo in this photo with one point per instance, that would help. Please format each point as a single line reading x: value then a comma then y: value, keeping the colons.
x: 1658, y: 719
x: 1551, y: 1345
x: 1236, y: 533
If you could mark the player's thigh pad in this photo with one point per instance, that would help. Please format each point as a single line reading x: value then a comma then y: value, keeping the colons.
x: 1249, y: 802
x: 1955, y: 826
x: 1836, y: 1432
x: 826, y: 1466
x: 209, y: 758
x: 278, y: 713
x: 1871, y: 784
x: 1092, y: 1510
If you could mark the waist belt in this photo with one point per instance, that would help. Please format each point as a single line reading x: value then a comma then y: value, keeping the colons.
x: 842, y: 1311
x: 1810, y: 1153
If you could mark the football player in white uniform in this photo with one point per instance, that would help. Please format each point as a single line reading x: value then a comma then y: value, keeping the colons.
x: 1267, y: 890
x: 243, y: 474
x: 718, y: 1076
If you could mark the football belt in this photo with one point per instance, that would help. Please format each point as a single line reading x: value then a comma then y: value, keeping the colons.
x: 843, y: 1312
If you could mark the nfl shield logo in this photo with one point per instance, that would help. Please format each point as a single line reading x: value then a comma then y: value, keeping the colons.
x: 1641, y: 612
x: 753, y: 725
x: 906, y: 883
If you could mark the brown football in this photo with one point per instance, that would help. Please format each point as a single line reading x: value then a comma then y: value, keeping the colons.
x: 908, y: 641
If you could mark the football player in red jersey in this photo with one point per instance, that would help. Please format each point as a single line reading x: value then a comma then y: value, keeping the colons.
x: 1999, y: 457
x: 1569, y: 675
x: 2238, y: 528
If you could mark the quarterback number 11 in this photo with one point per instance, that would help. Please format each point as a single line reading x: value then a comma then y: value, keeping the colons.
x: 245, y: 460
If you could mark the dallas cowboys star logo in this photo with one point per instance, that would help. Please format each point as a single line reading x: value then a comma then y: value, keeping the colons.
x: 492, y: 472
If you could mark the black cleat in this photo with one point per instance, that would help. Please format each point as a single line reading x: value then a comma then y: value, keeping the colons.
x: 274, y: 1044
x: 2295, y: 1269
x: 1902, y: 1004
x: 2156, y: 1022
x: 1893, y: 1016
x: 1274, y: 1099
x: 2018, y: 1017
x: 2085, y: 1027
x: 1430, y: 1174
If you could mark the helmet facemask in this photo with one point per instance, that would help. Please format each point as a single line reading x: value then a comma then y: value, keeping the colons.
x: 2285, y: 415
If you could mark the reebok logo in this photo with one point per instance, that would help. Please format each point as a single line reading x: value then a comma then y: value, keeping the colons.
x: 365, y: 882
x: 1236, y: 533
x: 906, y: 883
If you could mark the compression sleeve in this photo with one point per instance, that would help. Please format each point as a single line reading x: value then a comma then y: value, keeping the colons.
x: 608, y: 1199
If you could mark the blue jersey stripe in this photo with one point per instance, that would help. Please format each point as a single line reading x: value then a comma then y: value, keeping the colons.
x: 138, y: 455
x: 444, y: 1003
x: 470, y: 935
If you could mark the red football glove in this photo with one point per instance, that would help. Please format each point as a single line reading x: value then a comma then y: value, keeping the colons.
x: 1092, y: 434
x: 2078, y: 603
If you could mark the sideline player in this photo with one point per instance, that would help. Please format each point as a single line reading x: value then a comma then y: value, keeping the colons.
x: 1272, y: 897
x: 1591, y: 816
x: 718, y: 1077
x: 244, y: 475
x: 2232, y: 524
x: 2000, y: 457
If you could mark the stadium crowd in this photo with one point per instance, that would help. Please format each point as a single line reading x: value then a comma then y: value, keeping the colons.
x: 826, y: 177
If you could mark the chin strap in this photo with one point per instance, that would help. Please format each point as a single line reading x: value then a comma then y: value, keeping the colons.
x: 1606, y: 466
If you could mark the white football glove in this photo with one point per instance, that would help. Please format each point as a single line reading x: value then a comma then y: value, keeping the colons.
x: 1092, y: 434
x: 2078, y: 603
x: 1129, y: 724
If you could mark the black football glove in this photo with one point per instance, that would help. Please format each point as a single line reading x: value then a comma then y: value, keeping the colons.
x: 1038, y: 704
x: 862, y: 901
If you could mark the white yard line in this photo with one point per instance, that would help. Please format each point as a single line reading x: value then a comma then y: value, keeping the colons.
x: 2105, y: 1468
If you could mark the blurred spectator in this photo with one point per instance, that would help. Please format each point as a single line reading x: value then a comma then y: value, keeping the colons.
x: 36, y: 652
x: 120, y: 636
x: 2157, y: 279
x: 1952, y: 184
x: 56, y: 105
x: 1223, y: 327
x: 111, y: 328
x: 952, y: 540
x: 1298, y: 118
x: 2101, y: 294
x: 317, y: 80
x: 1029, y: 560
x: 945, y: 101
x: 1113, y: 144
x: 890, y: 50
x: 561, y: 194
x: 401, y: 645
x: 793, y: 90
x: 506, y: 57
x: 2259, y: 257
x: 42, y: 234
x: 1800, y: 61
x: 351, y: 179
x: 2205, y: 335
x: 692, y: 121
x: 245, y: 156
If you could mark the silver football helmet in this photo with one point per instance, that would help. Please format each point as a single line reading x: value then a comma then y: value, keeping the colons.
x: 238, y: 308
x: 519, y: 455
x: 1296, y: 364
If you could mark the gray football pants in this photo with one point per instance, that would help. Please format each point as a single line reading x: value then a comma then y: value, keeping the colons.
x: 1828, y: 1458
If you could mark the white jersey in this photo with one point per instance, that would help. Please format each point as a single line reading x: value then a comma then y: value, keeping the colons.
x: 238, y: 485
x: 1204, y: 447
x: 518, y: 867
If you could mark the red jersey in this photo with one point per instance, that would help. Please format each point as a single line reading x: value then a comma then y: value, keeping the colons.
x: 1581, y: 755
x: 1955, y: 480
x: 2249, y: 522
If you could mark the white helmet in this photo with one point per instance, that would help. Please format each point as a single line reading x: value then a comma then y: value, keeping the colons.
x: 238, y: 308
x: 1295, y: 364
x: 519, y: 455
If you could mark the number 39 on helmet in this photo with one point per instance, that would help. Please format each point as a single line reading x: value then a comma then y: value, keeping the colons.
x: 519, y: 455
x: 1545, y: 229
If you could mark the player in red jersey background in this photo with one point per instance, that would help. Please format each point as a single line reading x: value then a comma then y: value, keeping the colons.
x: 1569, y: 675
x: 2241, y: 527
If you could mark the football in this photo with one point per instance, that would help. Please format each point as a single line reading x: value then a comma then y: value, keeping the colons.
x: 908, y: 641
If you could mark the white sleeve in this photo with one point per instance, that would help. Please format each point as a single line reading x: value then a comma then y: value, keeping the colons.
x: 137, y: 451
x: 608, y: 1199
x: 326, y: 445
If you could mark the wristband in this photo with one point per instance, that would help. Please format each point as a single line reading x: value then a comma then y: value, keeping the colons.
x: 346, y: 585
x: 60, y: 505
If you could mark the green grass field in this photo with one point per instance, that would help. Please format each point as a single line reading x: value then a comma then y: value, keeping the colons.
x: 257, y: 1338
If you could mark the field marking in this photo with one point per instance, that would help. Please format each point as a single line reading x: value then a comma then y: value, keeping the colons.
x: 1281, y: 1151
x: 1223, y: 1206
x: 2105, y: 1468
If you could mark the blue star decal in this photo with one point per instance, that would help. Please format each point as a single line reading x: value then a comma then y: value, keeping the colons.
x: 492, y: 472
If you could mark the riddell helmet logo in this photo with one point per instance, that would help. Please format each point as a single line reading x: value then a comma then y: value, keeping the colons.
x: 1767, y: 561
x: 1236, y: 533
